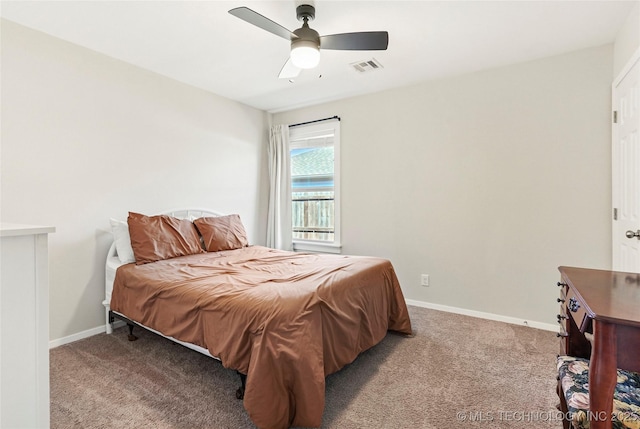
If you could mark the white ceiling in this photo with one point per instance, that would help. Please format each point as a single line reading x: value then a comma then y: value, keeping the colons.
x: 199, y: 43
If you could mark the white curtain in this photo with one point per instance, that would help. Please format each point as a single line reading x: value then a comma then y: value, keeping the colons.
x: 279, y: 215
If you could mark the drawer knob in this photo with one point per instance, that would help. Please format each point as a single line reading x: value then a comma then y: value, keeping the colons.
x: 560, y: 300
x: 560, y: 284
x: 562, y: 334
x: 561, y: 318
x: 574, y: 305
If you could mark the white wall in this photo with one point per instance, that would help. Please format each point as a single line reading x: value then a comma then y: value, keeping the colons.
x: 86, y: 137
x: 487, y: 182
x: 627, y: 41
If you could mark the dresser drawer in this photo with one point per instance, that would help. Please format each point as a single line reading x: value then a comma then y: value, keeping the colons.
x: 576, y: 309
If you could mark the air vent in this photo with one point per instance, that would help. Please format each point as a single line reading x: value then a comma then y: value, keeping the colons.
x: 366, y: 66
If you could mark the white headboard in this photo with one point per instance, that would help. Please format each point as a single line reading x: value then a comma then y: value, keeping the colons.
x: 112, y: 263
x: 192, y: 213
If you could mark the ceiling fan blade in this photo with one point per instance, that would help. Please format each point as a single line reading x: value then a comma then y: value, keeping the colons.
x: 289, y: 71
x: 252, y: 17
x: 363, y: 41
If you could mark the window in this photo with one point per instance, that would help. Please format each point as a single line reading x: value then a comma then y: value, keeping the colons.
x: 315, y: 186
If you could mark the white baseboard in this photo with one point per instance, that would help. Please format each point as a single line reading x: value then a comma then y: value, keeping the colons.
x: 82, y: 335
x: 482, y: 315
x: 473, y: 313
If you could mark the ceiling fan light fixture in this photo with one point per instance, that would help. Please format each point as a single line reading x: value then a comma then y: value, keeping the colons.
x: 306, y: 42
x: 305, y: 54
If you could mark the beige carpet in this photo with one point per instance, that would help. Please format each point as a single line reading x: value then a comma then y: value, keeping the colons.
x: 457, y: 372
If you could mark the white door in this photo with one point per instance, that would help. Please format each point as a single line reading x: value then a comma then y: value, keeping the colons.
x: 626, y: 169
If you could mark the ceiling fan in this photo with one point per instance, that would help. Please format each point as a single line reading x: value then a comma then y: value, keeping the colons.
x: 306, y: 42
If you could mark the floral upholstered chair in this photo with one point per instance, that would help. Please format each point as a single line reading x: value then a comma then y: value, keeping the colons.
x: 574, y: 380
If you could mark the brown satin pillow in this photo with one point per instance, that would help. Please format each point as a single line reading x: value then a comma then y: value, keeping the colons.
x: 222, y: 233
x: 154, y: 238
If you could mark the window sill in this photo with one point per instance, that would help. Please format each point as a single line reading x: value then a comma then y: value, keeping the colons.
x: 307, y: 246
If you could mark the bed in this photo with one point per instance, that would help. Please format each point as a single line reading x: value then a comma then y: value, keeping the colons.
x: 282, y: 319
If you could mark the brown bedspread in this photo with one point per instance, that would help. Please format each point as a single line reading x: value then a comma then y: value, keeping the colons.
x: 285, y: 319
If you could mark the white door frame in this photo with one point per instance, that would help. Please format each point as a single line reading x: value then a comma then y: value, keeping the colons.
x: 625, y: 251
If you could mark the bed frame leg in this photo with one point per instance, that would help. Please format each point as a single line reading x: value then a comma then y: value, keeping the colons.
x: 109, y: 320
x: 240, y: 391
x: 131, y: 337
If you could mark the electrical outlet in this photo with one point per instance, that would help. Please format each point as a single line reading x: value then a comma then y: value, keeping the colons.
x: 424, y: 280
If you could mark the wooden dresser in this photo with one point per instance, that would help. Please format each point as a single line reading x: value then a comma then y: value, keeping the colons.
x: 600, y: 321
x: 24, y: 326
